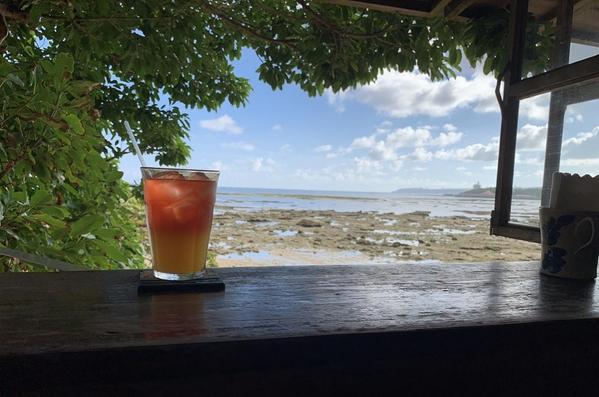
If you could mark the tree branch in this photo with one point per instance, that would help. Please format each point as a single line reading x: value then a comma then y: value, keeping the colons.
x: 3, y: 29
x: 337, y: 29
x: 16, y: 15
x: 227, y: 19
x: 108, y: 19
x: 498, y: 86
x: 11, y: 163
x: 244, y: 27
x: 51, y: 120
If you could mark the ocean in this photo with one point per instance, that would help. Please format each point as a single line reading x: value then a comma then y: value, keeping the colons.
x: 249, y: 199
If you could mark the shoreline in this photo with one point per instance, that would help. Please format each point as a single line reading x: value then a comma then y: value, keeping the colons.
x: 276, y: 237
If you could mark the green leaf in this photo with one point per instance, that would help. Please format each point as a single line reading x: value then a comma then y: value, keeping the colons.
x: 488, y: 66
x: 40, y: 197
x: 453, y: 55
x: 62, y: 136
x: 36, y: 12
x: 41, y: 170
x: 86, y: 224
x: 55, y: 211
x: 74, y: 123
x: 50, y: 220
x: 83, y: 87
x: 113, y: 252
x: 112, y: 176
x: 20, y: 197
x: 64, y: 63
x: 107, y: 234
x: 12, y: 234
x: 16, y: 79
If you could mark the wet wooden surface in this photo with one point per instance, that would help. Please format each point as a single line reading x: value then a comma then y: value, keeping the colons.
x: 79, y: 320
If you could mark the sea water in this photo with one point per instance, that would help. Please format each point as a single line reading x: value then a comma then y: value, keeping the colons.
x: 523, y: 211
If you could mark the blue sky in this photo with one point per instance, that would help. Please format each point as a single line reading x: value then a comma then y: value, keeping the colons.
x: 401, y: 131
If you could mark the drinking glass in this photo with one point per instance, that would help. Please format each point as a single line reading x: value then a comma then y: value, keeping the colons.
x: 179, y: 209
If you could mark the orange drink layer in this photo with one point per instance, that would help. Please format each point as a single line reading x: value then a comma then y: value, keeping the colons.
x: 179, y: 213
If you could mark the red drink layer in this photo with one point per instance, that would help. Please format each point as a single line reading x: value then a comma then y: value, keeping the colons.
x: 179, y: 213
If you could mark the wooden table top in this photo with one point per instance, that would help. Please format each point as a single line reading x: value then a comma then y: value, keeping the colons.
x: 76, y: 311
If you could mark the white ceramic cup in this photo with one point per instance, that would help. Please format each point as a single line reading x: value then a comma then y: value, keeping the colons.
x: 570, y: 243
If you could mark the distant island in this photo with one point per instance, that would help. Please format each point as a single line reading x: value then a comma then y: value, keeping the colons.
x: 524, y: 193
x: 428, y: 192
x: 477, y: 191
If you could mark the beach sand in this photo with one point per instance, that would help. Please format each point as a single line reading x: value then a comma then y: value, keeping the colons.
x: 289, y: 237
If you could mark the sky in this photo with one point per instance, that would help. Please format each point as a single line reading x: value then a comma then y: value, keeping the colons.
x: 401, y: 131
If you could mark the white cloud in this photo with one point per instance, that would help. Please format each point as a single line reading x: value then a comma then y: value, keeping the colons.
x: 222, y: 124
x: 580, y: 163
x: 257, y: 164
x: 409, y: 137
x: 337, y: 100
x: 419, y: 169
x: 286, y: 147
x: 537, y: 158
x: 403, y: 94
x: 363, y: 142
x: 328, y: 175
x: 573, y: 114
x: 579, y: 138
x: 450, y: 127
x: 531, y: 137
x: 536, y: 108
x: 390, y: 147
x: 421, y: 154
x: 583, y: 147
x: 262, y: 165
x: 239, y: 145
x: 364, y: 164
x: 323, y: 148
x: 218, y: 165
x: 578, y: 151
x: 369, y: 177
x: 477, y: 152
x: 447, y: 138
x: 277, y: 127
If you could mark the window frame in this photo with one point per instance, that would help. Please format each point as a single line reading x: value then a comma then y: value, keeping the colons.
x: 562, y: 79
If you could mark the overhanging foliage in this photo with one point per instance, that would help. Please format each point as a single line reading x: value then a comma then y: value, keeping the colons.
x: 73, y: 71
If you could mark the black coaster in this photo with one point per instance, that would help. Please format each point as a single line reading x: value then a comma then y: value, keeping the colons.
x: 150, y: 284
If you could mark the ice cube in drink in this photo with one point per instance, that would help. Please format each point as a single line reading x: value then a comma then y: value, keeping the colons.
x: 179, y: 208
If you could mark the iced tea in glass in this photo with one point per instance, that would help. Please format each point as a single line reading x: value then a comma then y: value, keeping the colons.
x: 179, y: 208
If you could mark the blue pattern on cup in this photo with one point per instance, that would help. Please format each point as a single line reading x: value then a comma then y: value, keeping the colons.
x: 553, y: 260
x: 553, y: 227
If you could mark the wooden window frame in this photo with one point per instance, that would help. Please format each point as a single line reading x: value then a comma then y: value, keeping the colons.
x: 563, y: 78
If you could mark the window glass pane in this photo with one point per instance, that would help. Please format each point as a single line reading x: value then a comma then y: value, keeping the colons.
x: 556, y: 132
x: 530, y: 155
x: 551, y: 44
x: 571, y: 133
x: 580, y: 141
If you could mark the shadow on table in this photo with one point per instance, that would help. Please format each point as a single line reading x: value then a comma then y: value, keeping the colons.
x: 563, y: 296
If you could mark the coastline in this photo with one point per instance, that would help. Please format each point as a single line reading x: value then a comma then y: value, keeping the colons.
x: 275, y: 237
